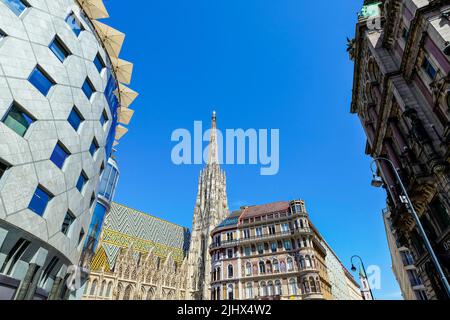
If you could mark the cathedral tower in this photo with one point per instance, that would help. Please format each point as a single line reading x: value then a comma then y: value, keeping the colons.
x: 210, y: 209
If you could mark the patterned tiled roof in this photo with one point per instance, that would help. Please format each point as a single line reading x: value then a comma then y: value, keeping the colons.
x: 124, y: 226
x: 255, y: 211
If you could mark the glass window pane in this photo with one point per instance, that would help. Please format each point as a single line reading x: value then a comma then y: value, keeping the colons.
x: 16, y: 6
x: 75, y: 119
x: 81, y: 181
x: 99, y: 64
x: 68, y: 220
x: 39, y: 201
x: 59, y: 156
x: 42, y: 82
x: 93, y: 148
x: 17, y: 120
x: 74, y: 24
x: 87, y: 88
x: 59, y: 50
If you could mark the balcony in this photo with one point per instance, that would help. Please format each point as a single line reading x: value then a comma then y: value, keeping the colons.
x: 266, y: 237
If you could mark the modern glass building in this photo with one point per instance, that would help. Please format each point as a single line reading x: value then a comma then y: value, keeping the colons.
x: 63, y: 108
x: 107, y: 189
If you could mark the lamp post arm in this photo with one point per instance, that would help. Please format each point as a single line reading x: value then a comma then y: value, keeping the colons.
x: 365, y: 273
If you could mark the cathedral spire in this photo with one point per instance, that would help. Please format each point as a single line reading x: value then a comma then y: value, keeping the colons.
x: 213, y: 147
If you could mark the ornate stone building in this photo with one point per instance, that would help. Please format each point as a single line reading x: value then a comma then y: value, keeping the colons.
x: 403, y: 265
x: 401, y: 93
x: 210, y: 209
x: 274, y: 252
x: 139, y: 257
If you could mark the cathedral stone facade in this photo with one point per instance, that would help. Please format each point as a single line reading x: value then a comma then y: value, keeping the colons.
x: 211, y: 208
x: 139, y: 257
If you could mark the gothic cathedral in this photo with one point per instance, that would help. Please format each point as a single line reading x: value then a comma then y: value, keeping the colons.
x: 210, y: 209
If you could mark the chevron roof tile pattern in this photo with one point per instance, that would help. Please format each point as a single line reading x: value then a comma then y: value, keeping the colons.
x: 124, y: 227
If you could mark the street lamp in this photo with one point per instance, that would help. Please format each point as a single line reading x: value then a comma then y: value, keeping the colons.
x: 364, y: 270
x: 406, y: 200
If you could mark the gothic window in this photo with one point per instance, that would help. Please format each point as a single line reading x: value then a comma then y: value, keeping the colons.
x: 292, y: 287
x: 278, y: 289
x: 230, y: 271
x: 290, y: 264
x: 306, y: 286
x: 276, y: 266
x: 283, y: 266
x: 262, y: 267
x: 263, y: 290
x: 270, y: 288
x: 302, y: 262
x: 150, y: 294
x: 268, y: 266
x: 249, y: 291
x: 102, y: 288
x: 308, y: 262
x: 312, y: 285
x: 248, y: 269
x: 108, y: 290
x: 93, y: 288
x: 127, y: 293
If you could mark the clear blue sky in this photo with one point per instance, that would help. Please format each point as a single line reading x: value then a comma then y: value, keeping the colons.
x: 261, y: 64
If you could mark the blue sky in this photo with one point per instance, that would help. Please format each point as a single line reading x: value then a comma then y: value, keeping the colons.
x: 260, y: 64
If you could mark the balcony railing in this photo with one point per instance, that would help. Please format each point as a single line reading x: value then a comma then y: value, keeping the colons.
x: 279, y: 234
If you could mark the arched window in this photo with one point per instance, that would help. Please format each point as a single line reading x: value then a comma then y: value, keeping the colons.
x: 306, y: 286
x: 292, y: 287
x: 278, y: 289
x: 230, y: 292
x: 305, y: 242
x: 249, y: 291
x: 268, y: 266
x: 301, y: 224
x: 308, y: 261
x: 262, y: 267
x: 248, y: 269
x: 93, y: 288
x: 290, y: 264
x: 313, y: 262
x: 312, y: 284
x: 318, y: 286
x: 108, y: 289
x: 127, y: 293
x: 276, y: 266
x: 283, y: 266
x: 230, y: 271
x: 302, y: 262
x: 102, y: 288
x: 150, y: 294
x: 219, y: 276
x: 263, y: 289
x: 270, y: 288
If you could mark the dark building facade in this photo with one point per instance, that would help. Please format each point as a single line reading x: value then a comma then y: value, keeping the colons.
x: 401, y: 93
